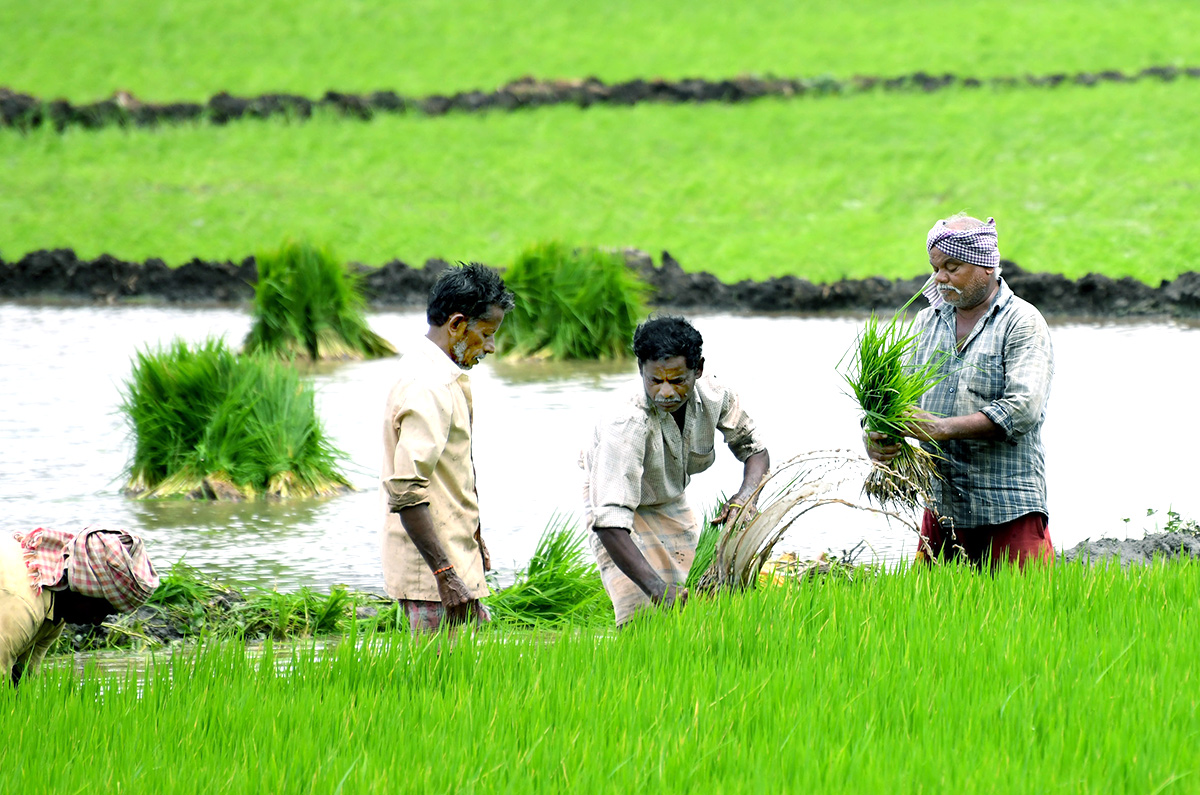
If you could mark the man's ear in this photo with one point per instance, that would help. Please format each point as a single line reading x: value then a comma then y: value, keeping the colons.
x: 700, y: 367
x: 456, y: 326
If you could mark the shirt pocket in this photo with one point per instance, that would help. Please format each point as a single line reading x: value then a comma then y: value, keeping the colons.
x: 700, y: 460
x: 983, y: 378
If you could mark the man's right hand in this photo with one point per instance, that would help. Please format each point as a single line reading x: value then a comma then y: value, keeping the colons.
x: 456, y: 598
x: 672, y: 596
x: 881, y: 448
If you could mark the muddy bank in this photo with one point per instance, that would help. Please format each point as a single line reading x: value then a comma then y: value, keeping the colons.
x: 61, y: 275
x: 25, y: 111
x: 1155, y: 546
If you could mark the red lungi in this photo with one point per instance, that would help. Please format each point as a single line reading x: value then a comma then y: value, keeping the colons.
x: 1024, y: 538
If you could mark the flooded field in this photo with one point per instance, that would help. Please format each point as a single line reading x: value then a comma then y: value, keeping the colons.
x: 1115, y: 443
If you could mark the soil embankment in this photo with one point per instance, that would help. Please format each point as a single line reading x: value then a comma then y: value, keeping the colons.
x: 1155, y: 546
x: 25, y: 111
x: 61, y: 275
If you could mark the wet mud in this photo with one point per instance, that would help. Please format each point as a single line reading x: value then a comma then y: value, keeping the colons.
x: 26, y: 111
x: 61, y: 275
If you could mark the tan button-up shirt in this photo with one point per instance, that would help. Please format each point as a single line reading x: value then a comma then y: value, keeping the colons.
x: 638, y: 456
x: 427, y: 459
x: 27, y: 625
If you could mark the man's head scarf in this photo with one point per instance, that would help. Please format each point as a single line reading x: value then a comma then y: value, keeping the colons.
x: 974, y: 245
x: 108, y: 564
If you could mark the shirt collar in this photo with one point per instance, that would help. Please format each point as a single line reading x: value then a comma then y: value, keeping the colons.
x: 427, y: 349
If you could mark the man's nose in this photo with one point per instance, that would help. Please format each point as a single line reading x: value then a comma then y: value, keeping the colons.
x: 489, y: 346
x: 941, y: 277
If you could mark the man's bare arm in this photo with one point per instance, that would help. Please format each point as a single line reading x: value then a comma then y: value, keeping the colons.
x: 753, y: 471
x: 633, y: 564
x: 454, y: 593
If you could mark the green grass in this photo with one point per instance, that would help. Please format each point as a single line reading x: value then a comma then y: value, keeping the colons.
x: 1079, y: 179
x: 179, y: 50
x: 308, y: 305
x: 209, y: 424
x: 1075, y: 679
x: 571, y: 304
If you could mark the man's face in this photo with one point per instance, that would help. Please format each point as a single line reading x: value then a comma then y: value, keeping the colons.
x: 668, y: 382
x: 471, y: 340
x: 962, y: 285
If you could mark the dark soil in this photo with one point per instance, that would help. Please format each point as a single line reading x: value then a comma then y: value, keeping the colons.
x: 61, y: 275
x: 123, y: 109
x: 1155, y: 546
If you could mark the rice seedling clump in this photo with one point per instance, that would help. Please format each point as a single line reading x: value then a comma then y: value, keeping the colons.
x: 571, y: 304
x: 308, y: 305
x: 209, y: 424
x: 888, y: 386
x: 560, y: 586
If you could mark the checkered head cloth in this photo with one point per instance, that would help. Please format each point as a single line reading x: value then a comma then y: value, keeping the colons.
x: 46, y: 553
x: 974, y: 246
x: 108, y: 564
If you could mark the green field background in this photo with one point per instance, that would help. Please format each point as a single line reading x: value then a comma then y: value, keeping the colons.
x: 171, y: 49
x: 1080, y: 179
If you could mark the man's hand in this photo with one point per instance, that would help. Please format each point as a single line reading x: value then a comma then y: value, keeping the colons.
x: 672, y: 596
x: 738, y: 505
x: 456, y: 598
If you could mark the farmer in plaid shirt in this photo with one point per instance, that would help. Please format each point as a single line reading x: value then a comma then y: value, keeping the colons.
x: 983, y: 421
x: 51, y: 577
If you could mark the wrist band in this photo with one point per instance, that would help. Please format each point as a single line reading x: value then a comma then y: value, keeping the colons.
x: 734, y: 505
x: 443, y: 570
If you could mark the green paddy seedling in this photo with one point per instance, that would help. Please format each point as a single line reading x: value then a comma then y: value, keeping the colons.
x: 308, y: 305
x: 210, y: 424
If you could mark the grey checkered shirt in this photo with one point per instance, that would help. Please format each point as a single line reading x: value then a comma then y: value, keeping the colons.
x: 1004, y: 370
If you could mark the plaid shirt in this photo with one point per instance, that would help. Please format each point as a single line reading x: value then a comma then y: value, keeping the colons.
x: 1004, y: 370
x: 638, y: 456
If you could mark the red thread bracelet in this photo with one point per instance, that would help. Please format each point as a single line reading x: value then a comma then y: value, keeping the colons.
x: 444, y: 569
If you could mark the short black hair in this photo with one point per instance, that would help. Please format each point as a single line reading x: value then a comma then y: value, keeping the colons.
x: 666, y: 336
x: 471, y: 289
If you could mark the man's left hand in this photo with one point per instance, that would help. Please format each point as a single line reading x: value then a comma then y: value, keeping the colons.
x: 737, y: 506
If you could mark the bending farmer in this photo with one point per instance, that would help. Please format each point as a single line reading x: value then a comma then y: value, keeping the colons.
x: 434, y: 557
x: 51, y: 577
x: 641, y: 459
x: 983, y: 422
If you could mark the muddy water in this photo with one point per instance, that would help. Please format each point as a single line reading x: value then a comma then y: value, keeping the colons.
x: 1116, y: 435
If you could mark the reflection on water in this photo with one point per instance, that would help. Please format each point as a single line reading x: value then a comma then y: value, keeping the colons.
x: 64, y: 444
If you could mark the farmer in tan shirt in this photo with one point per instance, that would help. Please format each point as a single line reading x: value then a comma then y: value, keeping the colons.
x: 434, y: 557
x: 642, y: 457
x: 51, y: 577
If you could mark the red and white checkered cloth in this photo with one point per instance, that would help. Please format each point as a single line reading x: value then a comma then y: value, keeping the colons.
x: 108, y: 564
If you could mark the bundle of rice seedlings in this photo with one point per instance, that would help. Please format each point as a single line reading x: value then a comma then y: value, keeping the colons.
x: 888, y: 386
x: 560, y: 586
x: 806, y: 482
x: 208, y: 424
x: 308, y: 305
x: 706, y: 550
x: 571, y: 304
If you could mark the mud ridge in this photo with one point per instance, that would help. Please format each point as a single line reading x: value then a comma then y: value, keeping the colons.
x: 61, y: 275
x: 1154, y: 547
x: 26, y: 111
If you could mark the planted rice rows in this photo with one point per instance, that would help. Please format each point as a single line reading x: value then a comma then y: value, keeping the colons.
x: 1082, y: 181
x: 1077, y: 678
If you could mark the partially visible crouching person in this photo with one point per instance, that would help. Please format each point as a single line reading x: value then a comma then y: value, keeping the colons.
x: 49, y: 578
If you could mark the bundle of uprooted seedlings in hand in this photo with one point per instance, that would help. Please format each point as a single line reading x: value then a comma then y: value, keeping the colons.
x: 888, y: 383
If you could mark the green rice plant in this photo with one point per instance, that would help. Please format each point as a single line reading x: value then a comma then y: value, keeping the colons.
x: 888, y: 386
x: 208, y: 424
x: 308, y: 305
x: 560, y: 586
x: 706, y: 551
x: 870, y: 686
x: 571, y: 304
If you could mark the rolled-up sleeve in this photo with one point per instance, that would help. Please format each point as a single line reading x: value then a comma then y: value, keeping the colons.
x: 738, y: 429
x: 615, y: 473
x: 1028, y: 370
x: 422, y: 426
